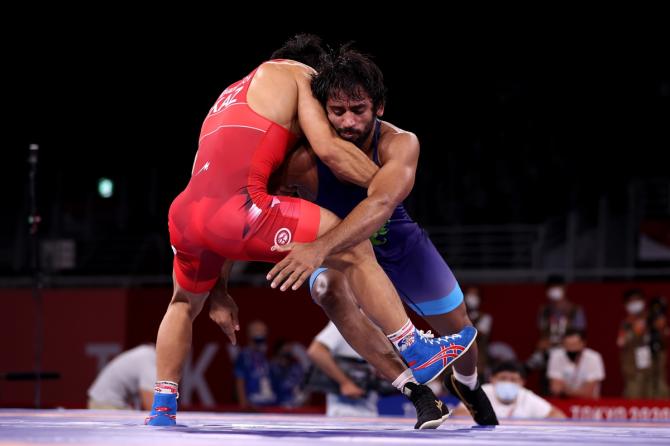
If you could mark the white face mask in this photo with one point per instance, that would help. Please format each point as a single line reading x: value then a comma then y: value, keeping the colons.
x: 472, y: 301
x: 635, y: 307
x: 555, y: 293
x: 507, y: 391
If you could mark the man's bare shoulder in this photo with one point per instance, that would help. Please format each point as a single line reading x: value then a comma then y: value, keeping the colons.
x: 393, y: 137
x: 287, y: 67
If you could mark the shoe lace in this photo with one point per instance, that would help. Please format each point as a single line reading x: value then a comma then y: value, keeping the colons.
x: 428, y: 336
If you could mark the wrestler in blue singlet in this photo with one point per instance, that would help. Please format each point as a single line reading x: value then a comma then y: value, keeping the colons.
x: 423, y: 279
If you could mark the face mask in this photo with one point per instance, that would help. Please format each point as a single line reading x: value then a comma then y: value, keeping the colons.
x: 506, y: 391
x: 555, y: 294
x: 472, y: 301
x: 572, y: 356
x: 259, y: 342
x: 635, y: 307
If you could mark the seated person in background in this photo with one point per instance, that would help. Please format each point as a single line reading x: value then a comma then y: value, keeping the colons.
x: 351, y: 400
x: 575, y: 371
x: 287, y: 370
x: 127, y: 382
x: 252, y: 369
x: 509, y: 397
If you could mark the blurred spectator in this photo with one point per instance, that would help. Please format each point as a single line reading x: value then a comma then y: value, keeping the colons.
x: 252, y: 369
x: 287, y: 370
x: 509, y: 397
x: 335, y: 357
x: 127, y: 382
x: 634, y: 341
x: 574, y: 370
x: 483, y: 323
x: 499, y: 352
x: 658, y: 321
x: 554, y: 319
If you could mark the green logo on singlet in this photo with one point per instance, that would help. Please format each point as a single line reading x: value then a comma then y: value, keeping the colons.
x: 378, y: 238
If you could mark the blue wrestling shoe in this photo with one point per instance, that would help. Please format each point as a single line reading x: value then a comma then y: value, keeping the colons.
x: 428, y: 356
x: 164, y: 410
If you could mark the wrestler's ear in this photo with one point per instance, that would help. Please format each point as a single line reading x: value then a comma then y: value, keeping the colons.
x: 380, y: 111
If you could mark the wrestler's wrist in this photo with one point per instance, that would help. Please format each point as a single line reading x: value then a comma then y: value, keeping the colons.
x: 217, y: 299
x: 324, y: 246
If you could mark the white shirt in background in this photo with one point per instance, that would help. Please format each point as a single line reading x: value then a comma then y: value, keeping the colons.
x: 589, y: 367
x: 526, y: 405
x: 336, y: 405
x: 120, y: 381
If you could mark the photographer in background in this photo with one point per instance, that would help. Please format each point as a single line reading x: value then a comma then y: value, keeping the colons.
x: 659, y: 333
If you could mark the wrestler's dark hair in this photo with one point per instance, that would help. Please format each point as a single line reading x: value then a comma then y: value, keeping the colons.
x: 304, y: 48
x: 350, y: 73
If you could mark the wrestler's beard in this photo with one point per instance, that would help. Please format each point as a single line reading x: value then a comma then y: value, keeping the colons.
x: 355, y: 137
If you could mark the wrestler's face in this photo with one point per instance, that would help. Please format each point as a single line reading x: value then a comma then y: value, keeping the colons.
x: 353, y: 117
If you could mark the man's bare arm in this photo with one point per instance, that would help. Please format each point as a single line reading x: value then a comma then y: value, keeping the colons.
x: 346, y: 160
x: 222, y: 308
x: 323, y: 359
x: 586, y: 390
x: 556, y: 413
x: 556, y: 386
x: 388, y: 188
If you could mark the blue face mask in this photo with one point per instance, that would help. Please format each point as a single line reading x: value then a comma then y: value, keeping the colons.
x: 260, y: 343
x: 506, y: 391
x: 259, y: 340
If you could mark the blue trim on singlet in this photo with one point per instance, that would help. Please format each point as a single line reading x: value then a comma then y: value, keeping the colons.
x: 442, y: 305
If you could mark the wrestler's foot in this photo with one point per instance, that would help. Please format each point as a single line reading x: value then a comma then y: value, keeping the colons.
x: 475, y: 401
x: 164, y: 410
x: 430, y: 411
x: 428, y: 356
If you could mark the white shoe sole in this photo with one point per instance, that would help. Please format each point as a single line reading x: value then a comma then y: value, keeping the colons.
x: 434, y: 424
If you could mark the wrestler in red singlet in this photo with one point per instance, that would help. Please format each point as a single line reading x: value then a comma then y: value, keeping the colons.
x: 225, y: 212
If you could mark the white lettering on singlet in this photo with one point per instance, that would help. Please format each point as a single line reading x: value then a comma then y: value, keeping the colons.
x: 226, y: 99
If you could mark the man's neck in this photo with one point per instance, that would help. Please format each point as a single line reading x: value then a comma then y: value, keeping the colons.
x: 366, y: 146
